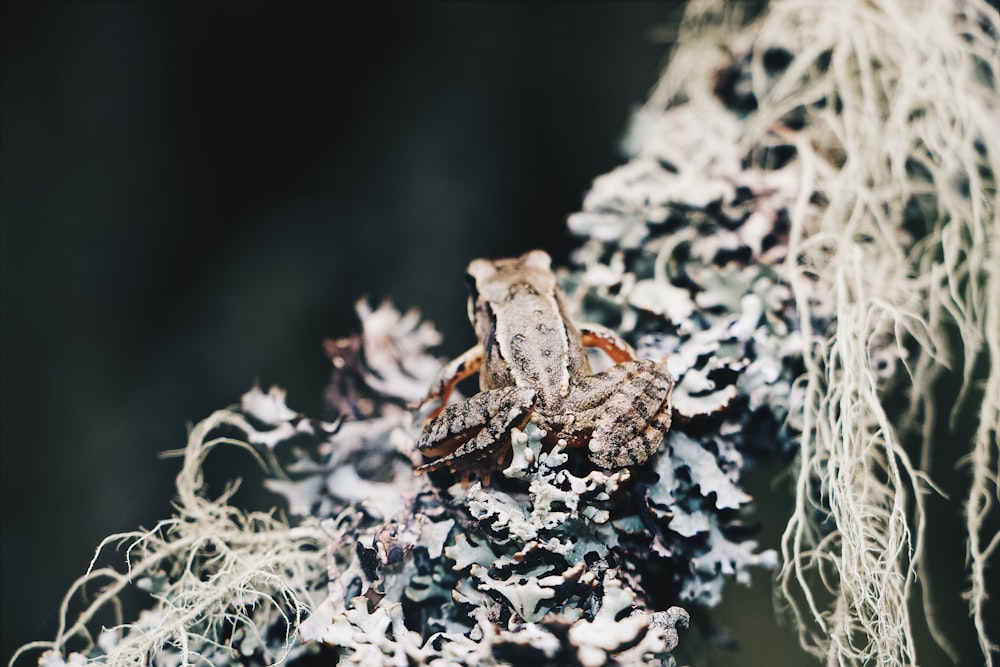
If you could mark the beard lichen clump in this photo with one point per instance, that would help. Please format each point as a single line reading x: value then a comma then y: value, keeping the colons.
x: 225, y: 585
x: 881, y: 119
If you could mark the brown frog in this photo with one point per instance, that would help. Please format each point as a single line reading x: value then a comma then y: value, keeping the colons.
x: 532, y: 365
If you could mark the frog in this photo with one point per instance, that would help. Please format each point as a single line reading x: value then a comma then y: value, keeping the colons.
x: 533, y: 366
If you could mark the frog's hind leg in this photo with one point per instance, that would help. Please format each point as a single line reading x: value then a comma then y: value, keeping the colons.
x: 610, y: 451
x: 474, y: 436
x: 628, y: 408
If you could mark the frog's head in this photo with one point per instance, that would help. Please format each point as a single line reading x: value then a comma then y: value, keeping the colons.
x: 495, y: 284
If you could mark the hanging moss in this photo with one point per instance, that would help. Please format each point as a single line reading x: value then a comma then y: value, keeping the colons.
x: 886, y: 113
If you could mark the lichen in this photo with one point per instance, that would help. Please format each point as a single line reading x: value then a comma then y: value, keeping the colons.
x: 747, y: 242
x: 466, y: 574
x: 554, y: 559
x: 225, y: 585
x: 880, y: 161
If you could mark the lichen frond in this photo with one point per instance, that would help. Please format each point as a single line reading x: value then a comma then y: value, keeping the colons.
x: 218, y: 575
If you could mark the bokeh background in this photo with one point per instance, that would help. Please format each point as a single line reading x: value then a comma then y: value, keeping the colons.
x: 195, y: 195
x: 192, y: 196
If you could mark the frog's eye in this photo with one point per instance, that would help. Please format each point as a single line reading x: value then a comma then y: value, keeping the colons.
x: 537, y: 259
x: 480, y: 269
x: 470, y: 282
x: 471, y: 306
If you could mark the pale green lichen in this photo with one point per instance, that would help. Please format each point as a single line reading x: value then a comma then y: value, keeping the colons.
x: 888, y: 112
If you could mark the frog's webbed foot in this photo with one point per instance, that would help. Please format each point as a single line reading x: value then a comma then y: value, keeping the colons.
x: 473, y: 436
x: 628, y: 407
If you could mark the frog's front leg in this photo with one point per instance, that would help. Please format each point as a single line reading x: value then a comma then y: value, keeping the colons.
x: 626, y: 408
x: 451, y: 374
x: 599, y: 336
x: 473, y: 436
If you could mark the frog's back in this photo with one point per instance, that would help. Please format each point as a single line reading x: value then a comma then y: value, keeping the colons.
x: 529, y: 339
x: 542, y: 346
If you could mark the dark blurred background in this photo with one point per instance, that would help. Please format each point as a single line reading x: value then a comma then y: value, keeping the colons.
x: 192, y: 196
